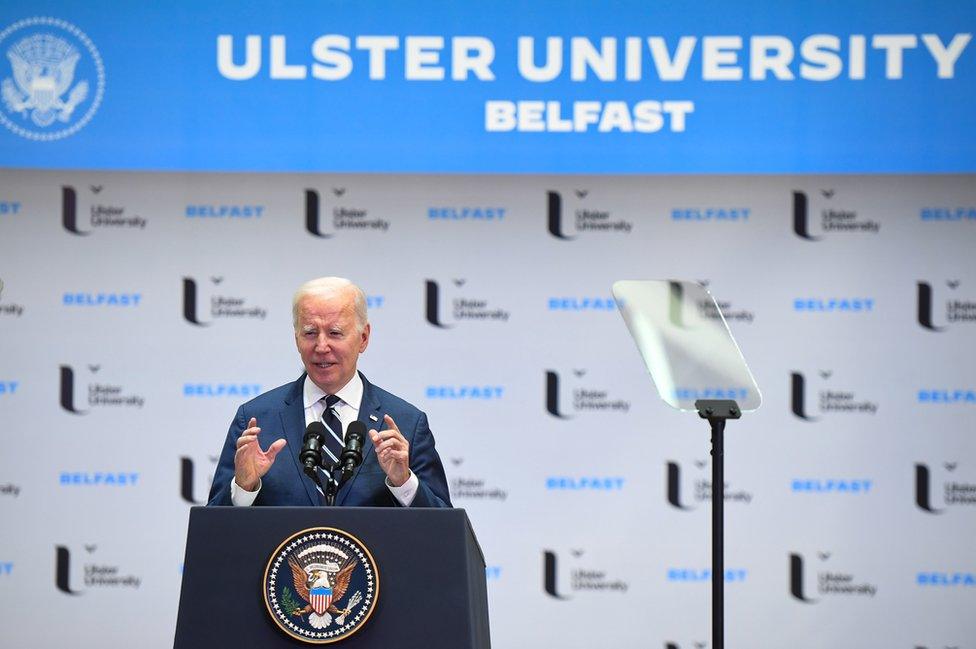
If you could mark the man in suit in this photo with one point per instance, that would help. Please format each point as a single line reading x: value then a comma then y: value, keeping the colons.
x: 400, y: 465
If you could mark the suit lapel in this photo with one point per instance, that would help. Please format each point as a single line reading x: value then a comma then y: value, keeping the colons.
x: 372, y: 416
x: 293, y: 424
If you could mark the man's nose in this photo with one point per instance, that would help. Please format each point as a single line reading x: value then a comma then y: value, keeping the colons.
x: 322, y: 344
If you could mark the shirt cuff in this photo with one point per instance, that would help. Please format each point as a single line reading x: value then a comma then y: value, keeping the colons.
x: 240, y: 496
x: 405, y: 492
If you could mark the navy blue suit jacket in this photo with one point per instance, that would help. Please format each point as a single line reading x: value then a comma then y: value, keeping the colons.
x: 281, y: 413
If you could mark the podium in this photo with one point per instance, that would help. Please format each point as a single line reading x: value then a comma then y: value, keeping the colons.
x: 431, y: 593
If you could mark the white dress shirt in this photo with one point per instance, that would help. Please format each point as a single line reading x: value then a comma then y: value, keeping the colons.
x: 347, y: 410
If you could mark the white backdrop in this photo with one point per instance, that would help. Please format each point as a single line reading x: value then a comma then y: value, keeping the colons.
x: 95, y: 501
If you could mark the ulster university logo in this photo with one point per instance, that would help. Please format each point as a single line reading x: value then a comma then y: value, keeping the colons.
x: 954, y: 491
x: 9, y: 308
x: 832, y: 217
x: 468, y: 487
x: 707, y: 309
x: 188, y: 479
x: 97, y: 394
x: 828, y: 582
x: 55, y: 79
x: 343, y: 217
x: 584, y: 397
x: 462, y: 307
x: 829, y: 400
x: 582, y: 579
x: 321, y: 585
x: 685, y: 499
x: 584, y: 218
x: 952, y: 311
x: 95, y: 574
x: 101, y: 213
x: 222, y: 305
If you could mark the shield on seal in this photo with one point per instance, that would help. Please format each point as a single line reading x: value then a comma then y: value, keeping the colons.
x: 43, y: 92
x: 320, y: 598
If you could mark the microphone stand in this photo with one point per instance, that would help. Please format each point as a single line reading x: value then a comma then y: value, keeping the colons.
x: 331, y: 488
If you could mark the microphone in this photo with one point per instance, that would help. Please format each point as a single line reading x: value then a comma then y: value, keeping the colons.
x: 311, y: 455
x: 352, y: 454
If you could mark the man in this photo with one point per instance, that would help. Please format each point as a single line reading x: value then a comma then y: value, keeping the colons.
x: 400, y: 465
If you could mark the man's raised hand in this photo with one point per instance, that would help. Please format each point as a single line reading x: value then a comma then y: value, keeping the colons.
x: 392, y: 451
x: 250, y: 462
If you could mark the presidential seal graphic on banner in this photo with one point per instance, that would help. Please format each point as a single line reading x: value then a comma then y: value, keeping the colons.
x: 53, y: 81
x: 321, y: 585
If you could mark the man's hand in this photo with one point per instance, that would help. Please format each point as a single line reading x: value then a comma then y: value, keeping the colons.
x: 392, y: 451
x: 250, y: 462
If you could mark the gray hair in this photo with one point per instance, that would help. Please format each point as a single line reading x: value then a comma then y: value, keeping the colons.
x: 328, y: 287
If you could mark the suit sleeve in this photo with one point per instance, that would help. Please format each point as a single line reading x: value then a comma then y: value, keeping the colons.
x: 426, y: 465
x: 220, y: 489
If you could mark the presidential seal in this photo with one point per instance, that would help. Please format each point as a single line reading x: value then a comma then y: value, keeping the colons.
x: 321, y: 585
x: 55, y: 79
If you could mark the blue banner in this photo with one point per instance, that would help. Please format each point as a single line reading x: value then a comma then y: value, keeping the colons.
x: 536, y: 87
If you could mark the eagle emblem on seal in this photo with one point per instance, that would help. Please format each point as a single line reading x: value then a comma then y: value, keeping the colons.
x: 320, y: 581
x: 321, y: 585
x: 43, y: 71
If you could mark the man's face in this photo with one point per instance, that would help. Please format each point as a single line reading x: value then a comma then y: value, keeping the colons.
x: 329, y: 339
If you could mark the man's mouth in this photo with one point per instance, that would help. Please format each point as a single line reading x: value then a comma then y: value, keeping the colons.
x: 323, y: 366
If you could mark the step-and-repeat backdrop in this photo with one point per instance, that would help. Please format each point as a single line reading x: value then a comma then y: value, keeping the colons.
x: 169, y: 174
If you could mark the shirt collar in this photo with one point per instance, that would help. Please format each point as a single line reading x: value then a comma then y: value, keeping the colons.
x: 351, y: 393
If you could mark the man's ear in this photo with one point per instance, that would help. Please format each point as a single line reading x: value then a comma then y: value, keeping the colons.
x: 364, y: 338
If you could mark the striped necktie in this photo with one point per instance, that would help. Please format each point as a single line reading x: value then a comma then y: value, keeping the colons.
x: 333, y: 439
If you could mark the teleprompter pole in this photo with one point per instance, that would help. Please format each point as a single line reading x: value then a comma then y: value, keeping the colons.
x: 716, y: 411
